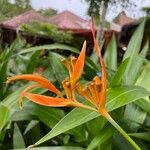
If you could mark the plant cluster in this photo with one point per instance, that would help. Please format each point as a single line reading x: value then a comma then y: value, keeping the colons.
x: 47, y: 30
x: 123, y: 96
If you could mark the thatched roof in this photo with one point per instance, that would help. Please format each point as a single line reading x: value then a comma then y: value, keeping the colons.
x: 122, y: 19
x: 66, y: 20
x: 26, y: 17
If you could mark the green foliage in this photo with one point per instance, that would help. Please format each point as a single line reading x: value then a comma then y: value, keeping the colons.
x: 33, y: 64
x: 101, y: 137
x: 146, y: 10
x: 48, y: 12
x: 79, y: 116
x: 74, y: 129
x: 8, y: 9
x: 4, y: 61
x: 4, y: 116
x: 18, y: 141
x: 111, y: 55
x: 48, y: 30
x: 56, y: 148
x: 96, y: 5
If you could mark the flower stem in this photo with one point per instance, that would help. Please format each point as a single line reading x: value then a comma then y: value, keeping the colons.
x: 105, y: 114
x: 80, y: 105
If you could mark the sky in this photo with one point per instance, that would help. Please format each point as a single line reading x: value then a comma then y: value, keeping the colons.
x: 79, y: 7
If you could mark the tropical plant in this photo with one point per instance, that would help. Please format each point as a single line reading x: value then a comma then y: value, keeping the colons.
x: 48, y: 30
x: 127, y: 101
x: 9, y: 9
x: 52, y: 33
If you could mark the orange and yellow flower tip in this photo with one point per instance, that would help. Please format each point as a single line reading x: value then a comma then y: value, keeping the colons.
x: 47, y: 100
x: 25, y: 91
x: 102, y: 96
x: 43, y: 82
x: 95, y: 92
x: 78, y: 66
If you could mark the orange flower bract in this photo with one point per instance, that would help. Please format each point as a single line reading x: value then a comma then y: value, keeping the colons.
x: 95, y: 92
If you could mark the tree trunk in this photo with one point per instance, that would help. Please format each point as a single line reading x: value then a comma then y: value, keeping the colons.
x: 100, y: 31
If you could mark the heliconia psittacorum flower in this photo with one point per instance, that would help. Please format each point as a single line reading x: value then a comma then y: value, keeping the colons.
x: 95, y: 92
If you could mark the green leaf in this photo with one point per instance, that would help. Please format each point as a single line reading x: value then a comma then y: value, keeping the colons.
x: 110, y: 56
x: 144, y: 51
x: 121, y: 143
x: 134, y: 116
x: 59, y: 70
x: 143, y: 136
x: 56, y: 47
x: 4, y: 116
x: 135, y: 42
x: 133, y: 69
x: 70, y: 121
x: 48, y: 47
x: 96, y: 125
x: 120, y: 96
x: 32, y: 62
x: 49, y: 116
x: 3, y: 68
x: 144, y: 81
x: 18, y: 141
x: 116, y: 97
x: 117, y: 79
x: 107, y: 145
x: 101, y: 137
x: 129, y: 70
x: 31, y: 111
x: 31, y: 124
x: 23, y: 115
x: 11, y: 101
x: 79, y: 133
x: 135, y: 63
x: 144, y: 104
x: 55, y: 148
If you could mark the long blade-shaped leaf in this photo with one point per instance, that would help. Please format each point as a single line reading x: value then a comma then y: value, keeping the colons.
x: 110, y: 56
x: 49, y: 47
x: 4, y: 66
x: 135, y: 42
x: 144, y: 81
x: 101, y: 137
x: 32, y: 64
x: 134, y: 116
x: 57, y: 68
x: 129, y: 69
x: 117, y: 79
x: 144, y: 135
x: 55, y: 148
x: 4, y: 116
x: 116, y: 98
x: 135, y: 63
x: 12, y: 100
x: 18, y: 141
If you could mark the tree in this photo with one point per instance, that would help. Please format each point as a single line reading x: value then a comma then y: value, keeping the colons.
x: 8, y: 9
x: 26, y: 4
x: 98, y: 8
x: 146, y: 10
x: 48, y: 12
